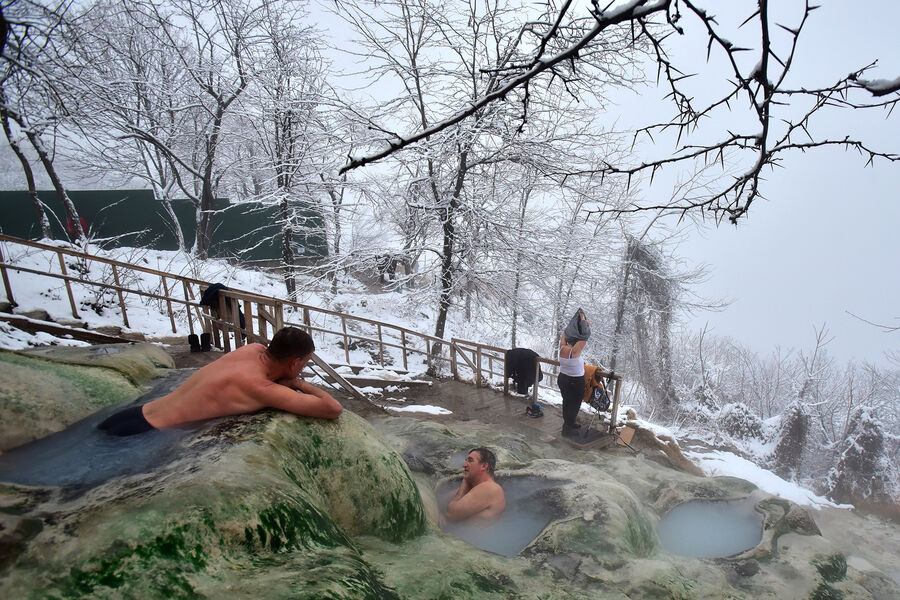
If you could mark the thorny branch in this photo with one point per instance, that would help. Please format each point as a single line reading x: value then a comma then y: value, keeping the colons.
x: 777, y: 127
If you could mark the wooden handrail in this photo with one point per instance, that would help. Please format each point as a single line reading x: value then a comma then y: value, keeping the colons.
x: 189, y: 302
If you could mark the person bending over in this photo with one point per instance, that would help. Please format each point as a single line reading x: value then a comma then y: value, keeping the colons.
x: 478, y: 496
x: 243, y: 381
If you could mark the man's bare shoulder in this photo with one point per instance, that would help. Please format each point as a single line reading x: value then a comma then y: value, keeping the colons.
x: 250, y: 350
x: 493, y: 487
x: 241, y: 364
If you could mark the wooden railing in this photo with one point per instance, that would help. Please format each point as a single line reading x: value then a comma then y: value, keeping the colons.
x: 263, y: 315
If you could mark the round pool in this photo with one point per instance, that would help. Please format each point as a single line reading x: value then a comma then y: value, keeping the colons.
x: 703, y: 529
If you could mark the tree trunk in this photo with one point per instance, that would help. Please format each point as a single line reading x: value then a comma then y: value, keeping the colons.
x: 203, y: 241
x: 620, y: 307
x: 665, y: 358
x: 449, y: 230
x: 162, y: 195
x: 518, y: 266
x: 72, y: 214
x: 44, y: 222
x: 287, y: 250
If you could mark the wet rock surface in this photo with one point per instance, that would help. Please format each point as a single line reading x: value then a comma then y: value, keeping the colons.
x: 44, y: 390
x: 275, y: 506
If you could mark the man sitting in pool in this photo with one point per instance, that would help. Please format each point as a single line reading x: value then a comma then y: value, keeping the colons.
x: 479, y: 496
x: 244, y: 381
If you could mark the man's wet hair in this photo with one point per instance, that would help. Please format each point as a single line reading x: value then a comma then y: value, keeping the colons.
x: 290, y: 343
x: 486, y: 457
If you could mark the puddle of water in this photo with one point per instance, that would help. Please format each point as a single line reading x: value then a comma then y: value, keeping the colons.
x: 457, y: 458
x: 528, y: 511
x: 702, y: 529
x: 106, y: 350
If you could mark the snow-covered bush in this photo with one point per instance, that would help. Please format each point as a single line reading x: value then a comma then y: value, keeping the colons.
x: 791, y: 437
x: 737, y: 420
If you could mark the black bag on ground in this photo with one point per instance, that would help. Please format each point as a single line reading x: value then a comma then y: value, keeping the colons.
x: 534, y: 410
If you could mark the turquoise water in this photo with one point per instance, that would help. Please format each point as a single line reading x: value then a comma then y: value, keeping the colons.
x: 529, y: 508
x: 711, y: 529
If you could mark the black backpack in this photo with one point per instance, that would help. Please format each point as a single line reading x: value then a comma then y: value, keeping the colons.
x: 599, y: 399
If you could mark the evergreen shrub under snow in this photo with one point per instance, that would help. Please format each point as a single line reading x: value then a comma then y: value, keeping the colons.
x: 737, y: 420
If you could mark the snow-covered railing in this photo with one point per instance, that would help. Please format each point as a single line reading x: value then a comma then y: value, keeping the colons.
x: 481, y: 358
x: 119, y: 272
x: 389, y: 343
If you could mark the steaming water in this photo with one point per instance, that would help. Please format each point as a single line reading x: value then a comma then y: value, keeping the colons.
x: 528, y: 511
x: 710, y: 529
x: 81, y: 456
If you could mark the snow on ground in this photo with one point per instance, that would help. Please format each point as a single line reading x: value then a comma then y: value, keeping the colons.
x: 16, y: 339
x: 719, y: 462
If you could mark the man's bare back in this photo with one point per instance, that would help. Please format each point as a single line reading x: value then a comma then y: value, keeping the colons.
x: 243, y: 381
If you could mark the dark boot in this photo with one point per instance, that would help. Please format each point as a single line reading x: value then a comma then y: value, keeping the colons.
x: 194, y: 342
x: 205, y: 342
x: 571, y: 431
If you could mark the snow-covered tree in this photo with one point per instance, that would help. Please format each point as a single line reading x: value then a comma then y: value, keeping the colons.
x: 31, y: 100
x: 433, y: 51
x: 865, y: 470
x: 791, y: 441
x: 120, y: 81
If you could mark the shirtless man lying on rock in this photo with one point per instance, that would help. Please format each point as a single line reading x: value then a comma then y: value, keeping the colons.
x: 243, y: 381
x: 479, y: 497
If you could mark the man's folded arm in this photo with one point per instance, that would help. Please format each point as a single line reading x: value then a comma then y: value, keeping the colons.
x: 472, y: 503
x: 305, y: 399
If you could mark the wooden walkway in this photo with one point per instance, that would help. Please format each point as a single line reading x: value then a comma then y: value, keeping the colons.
x: 485, y: 405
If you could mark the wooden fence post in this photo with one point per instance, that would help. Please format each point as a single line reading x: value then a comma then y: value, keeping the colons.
x: 478, y: 382
x: 121, y: 296
x: 261, y: 323
x: 346, y: 339
x: 613, y: 415
x: 380, y: 347
x: 235, y: 319
x: 279, y: 317
x: 188, y: 296
x: 505, y: 377
x: 403, y: 343
x: 248, y: 320
x: 9, y: 294
x: 453, y: 365
x: 65, y: 274
x: 169, y: 305
x: 222, y: 313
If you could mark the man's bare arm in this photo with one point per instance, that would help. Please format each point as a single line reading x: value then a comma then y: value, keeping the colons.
x: 476, y: 500
x: 301, y: 398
